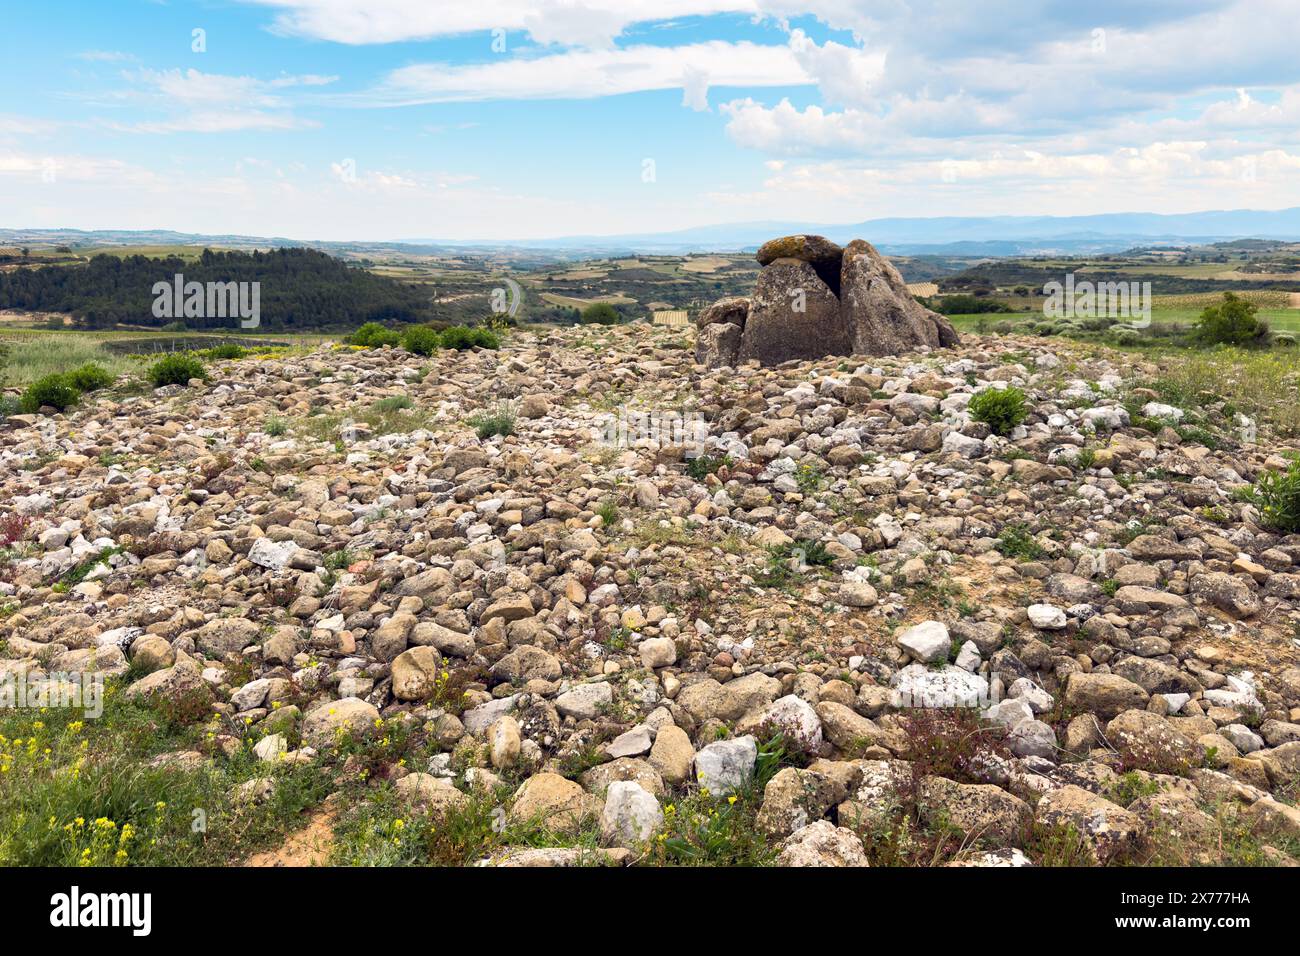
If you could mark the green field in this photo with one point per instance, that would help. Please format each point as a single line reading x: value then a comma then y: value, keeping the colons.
x: 1279, y: 320
x: 31, y: 354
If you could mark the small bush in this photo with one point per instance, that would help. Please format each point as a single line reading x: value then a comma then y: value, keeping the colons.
x: 1017, y: 541
x: 226, y: 350
x: 420, y: 339
x: 1277, y: 495
x: 463, y: 337
x: 90, y: 377
x: 372, y: 335
x: 966, y: 304
x: 1002, y: 409
x: 176, y: 369
x: 55, y: 391
x: 1231, y: 322
x: 501, y: 421
x: 393, y: 403
x: 13, y: 528
x: 275, y: 427
x: 702, y: 466
x: 600, y: 313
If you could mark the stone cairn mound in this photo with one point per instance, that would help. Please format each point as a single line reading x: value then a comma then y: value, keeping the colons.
x: 813, y: 299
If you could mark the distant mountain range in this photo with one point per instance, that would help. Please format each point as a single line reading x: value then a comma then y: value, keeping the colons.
x: 947, y: 235
x: 970, y: 235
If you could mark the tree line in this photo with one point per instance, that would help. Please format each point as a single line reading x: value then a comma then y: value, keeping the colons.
x: 300, y: 289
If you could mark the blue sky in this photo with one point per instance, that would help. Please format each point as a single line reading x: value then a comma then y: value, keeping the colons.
x: 517, y: 119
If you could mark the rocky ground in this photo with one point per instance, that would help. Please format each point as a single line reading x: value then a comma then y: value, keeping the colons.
x: 858, y: 629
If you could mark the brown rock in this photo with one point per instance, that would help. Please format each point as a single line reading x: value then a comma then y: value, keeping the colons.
x: 880, y: 316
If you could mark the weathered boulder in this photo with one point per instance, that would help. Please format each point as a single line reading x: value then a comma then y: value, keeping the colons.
x: 733, y: 311
x: 1106, y: 695
x: 327, y: 721
x: 819, y: 252
x: 549, y: 800
x: 792, y: 799
x: 981, y: 812
x: 822, y: 844
x: 1106, y: 829
x: 880, y: 315
x: 718, y: 344
x: 814, y: 299
x: 415, y: 673
x: 793, y: 315
x: 631, y: 815
x: 672, y: 754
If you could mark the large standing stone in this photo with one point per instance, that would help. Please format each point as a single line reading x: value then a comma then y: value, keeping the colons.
x: 819, y: 252
x: 880, y: 315
x: 793, y: 315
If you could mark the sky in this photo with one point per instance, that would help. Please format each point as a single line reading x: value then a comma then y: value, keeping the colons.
x: 524, y: 119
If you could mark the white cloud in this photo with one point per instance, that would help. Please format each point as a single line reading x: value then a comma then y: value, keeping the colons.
x: 12, y: 124
x: 846, y: 75
x: 1161, y: 176
x: 52, y: 169
x: 578, y: 74
x: 105, y: 56
x: 568, y: 22
x: 199, y: 102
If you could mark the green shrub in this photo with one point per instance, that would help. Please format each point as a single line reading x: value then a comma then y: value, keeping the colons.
x: 420, y: 339
x: 1002, y: 409
x: 966, y: 304
x: 176, y: 369
x: 372, y: 335
x: 600, y: 313
x: 1277, y: 495
x: 226, y: 350
x: 9, y: 406
x: 1017, y: 541
x: 1231, y: 322
x: 56, y: 391
x: 702, y: 466
x: 500, y: 421
x: 393, y: 403
x: 463, y: 337
x: 90, y: 377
